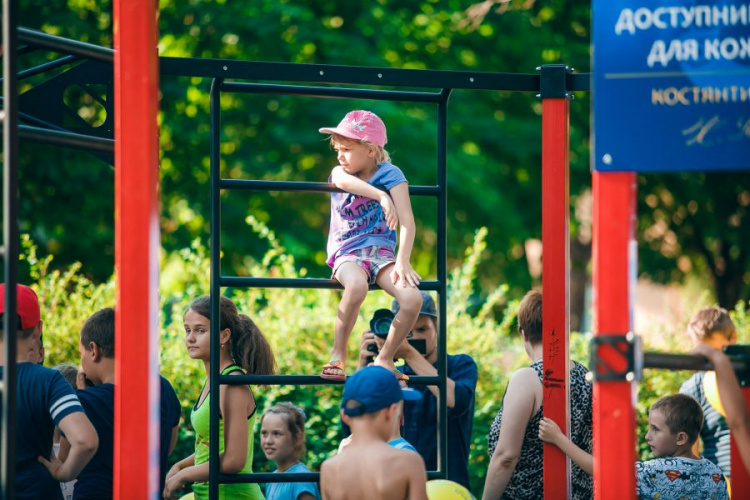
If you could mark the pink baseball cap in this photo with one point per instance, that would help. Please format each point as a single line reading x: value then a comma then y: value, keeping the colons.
x: 27, y: 305
x: 361, y: 126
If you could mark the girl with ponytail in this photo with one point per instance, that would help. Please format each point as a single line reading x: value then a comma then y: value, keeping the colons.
x: 243, y: 350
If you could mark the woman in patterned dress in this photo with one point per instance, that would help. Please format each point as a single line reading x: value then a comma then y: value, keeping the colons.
x: 515, y: 470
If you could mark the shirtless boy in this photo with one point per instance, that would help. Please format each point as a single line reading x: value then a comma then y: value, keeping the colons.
x: 369, y: 468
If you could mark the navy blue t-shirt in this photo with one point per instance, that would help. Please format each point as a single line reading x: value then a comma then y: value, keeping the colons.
x: 43, y: 399
x: 170, y: 417
x: 95, y: 480
x: 420, y: 419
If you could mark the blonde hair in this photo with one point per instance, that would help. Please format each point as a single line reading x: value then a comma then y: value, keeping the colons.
x: 381, y: 155
x: 710, y: 321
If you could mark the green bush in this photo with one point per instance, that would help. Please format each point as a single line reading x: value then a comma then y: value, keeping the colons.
x: 299, y: 326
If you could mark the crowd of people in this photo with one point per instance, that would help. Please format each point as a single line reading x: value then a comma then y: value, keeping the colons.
x: 65, y: 414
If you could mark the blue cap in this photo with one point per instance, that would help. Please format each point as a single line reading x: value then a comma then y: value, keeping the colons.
x: 374, y: 388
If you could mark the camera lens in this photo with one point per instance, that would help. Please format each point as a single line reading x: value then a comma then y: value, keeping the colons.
x: 381, y: 322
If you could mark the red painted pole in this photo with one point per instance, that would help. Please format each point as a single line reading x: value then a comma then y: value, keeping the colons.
x: 740, y: 479
x: 556, y: 286
x: 615, y: 262
x: 137, y: 243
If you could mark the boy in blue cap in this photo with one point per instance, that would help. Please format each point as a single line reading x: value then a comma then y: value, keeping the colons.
x: 369, y: 467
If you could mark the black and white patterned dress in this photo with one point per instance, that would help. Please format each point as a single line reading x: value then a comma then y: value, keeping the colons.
x: 526, y: 483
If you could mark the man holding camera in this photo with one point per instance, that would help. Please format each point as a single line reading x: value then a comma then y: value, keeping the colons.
x: 420, y: 417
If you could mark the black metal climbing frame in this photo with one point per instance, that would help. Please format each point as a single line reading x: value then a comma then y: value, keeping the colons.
x: 444, y: 82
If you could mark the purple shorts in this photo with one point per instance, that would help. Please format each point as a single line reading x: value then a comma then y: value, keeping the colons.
x: 370, y: 259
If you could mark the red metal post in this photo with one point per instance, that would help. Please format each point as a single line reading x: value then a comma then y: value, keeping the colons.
x: 137, y: 243
x: 615, y: 264
x: 740, y: 479
x: 556, y: 286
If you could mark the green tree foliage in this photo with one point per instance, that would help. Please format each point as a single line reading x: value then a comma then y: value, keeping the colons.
x: 493, y: 146
x: 698, y: 223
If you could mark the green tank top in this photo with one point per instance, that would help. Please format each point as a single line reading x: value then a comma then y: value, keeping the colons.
x: 200, y: 419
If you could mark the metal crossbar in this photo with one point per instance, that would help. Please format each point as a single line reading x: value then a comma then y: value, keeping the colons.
x: 667, y: 361
x: 309, y: 187
x: 64, y: 138
x: 308, y: 380
x: 375, y: 95
x: 360, y: 75
x: 317, y: 283
x: 40, y: 39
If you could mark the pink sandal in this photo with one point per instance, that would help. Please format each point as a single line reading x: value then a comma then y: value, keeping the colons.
x: 335, y: 366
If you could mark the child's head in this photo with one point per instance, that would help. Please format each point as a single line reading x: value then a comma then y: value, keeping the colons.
x: 282, y: 432
x: 239, y: 336
x: 364, y: 128
x: 99, y: 331
x: 97, y: 345
x: 69, y: 372
x: 530, y: 317
x: 27, y: 310
x: 373, y: 393
x: 713, y: 326
x: 674, y: 423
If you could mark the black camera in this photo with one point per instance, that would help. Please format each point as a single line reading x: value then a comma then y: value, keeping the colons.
x: 380, y: 324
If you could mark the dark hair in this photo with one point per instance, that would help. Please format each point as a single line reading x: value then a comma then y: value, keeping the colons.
x: 20, y: 333
x: 710, y: 321
x: 530, y: 316
x: 247, y: 345
x: 69, y: 372
x: 100, y: 329
x: 682, y: 413
x: 294, y: 418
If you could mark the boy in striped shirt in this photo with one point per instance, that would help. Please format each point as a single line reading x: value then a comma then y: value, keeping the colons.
x: 43, y: 400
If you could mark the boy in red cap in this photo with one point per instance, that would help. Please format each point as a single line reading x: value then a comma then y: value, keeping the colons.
x: 43, y: 400
x: 368, y: 467
x: 362, y: 235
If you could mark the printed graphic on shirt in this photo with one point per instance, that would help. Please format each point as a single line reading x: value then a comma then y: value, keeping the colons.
x: 680, y: 478
x: 359, y: 222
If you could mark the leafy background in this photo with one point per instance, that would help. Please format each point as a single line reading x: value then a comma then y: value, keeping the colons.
x: 690, y: 225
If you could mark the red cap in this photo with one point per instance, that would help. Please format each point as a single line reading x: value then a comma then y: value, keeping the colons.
x: 27, y: 305
x: 361, y: 126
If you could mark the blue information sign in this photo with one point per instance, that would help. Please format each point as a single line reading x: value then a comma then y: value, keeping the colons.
x: 671, y: 85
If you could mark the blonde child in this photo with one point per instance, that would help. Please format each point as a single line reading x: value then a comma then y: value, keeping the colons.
x: 711, y: 326
x: 675, y: 472
x: 362, y: 235
x: 282, y: 436
x: 368, y: 467
x: 732, y: 399
x: 243, y: 349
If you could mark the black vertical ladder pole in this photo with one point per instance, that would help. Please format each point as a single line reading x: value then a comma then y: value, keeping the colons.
x: 10, y: 242
x: 215, y: 292
x: 442, y: 271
